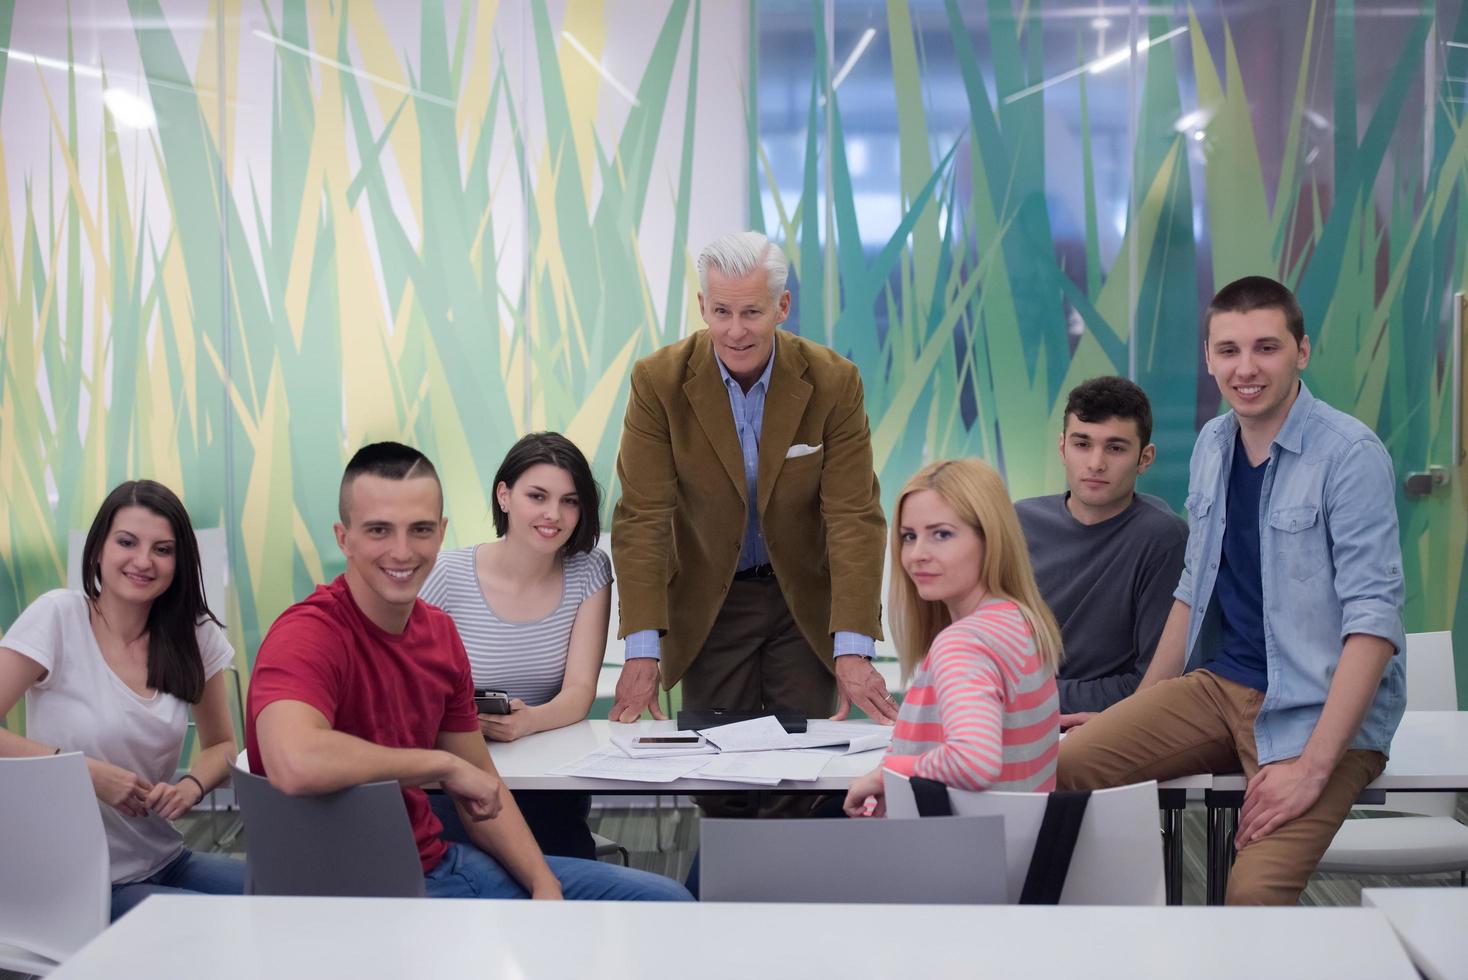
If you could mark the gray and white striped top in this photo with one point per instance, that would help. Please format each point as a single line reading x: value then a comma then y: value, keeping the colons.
x: 526, y: 660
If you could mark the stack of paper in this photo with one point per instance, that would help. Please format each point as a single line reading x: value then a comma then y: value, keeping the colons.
x: 624, y: 743
x: 765, y: 768
x: 609, y: 762
x: 756, y: 735
x: 758, y: 752
x: 854, y: 735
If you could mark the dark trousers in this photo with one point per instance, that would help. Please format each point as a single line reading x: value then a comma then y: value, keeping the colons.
x: 755, y: 659
x: 558, y: 821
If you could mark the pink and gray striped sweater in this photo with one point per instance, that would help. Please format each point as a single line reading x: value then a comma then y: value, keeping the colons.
x: 982, y: 712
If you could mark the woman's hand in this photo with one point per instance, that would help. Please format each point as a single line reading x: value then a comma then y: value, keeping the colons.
x: 507, y: 728
x: 863, y: 789
x: 123, y: 790
x: 172, y: 800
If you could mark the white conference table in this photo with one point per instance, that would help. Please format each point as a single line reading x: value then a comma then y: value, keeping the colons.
x: 1432, y: 923
x: 244, y: 938
x: 1429, y: 754
x: 526, y: 763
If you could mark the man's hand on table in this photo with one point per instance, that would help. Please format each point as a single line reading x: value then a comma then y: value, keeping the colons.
x: 861, y: 685
x: 637, y: 691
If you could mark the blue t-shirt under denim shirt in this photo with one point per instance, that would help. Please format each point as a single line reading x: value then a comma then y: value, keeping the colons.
x: 1240, y: 590
x: 1328, y: 529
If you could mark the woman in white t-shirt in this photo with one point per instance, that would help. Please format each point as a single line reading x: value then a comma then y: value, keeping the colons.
x: 111, y: 672
x: 532, y: 608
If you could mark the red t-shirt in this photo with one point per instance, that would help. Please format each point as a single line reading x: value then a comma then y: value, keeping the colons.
x: 394, y: 690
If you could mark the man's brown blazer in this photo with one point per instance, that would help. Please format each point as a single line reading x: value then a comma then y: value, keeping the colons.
x: 678, y: 527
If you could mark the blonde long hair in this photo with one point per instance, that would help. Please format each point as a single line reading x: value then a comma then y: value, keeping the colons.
x: 977, y: 493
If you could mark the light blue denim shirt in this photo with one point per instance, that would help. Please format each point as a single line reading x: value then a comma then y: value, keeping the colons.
x: 1331, y: 565
x: 748, y: 409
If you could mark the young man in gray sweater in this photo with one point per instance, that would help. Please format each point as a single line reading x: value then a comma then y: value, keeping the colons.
x: 1106, y: 557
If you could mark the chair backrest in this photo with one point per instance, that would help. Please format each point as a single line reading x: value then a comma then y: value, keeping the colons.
x: 213, y: 559
x: 1432, y: 683
x: 55, y: 881
x: 1118, y: 855
x: 943, y: 860
x: 355, y: 842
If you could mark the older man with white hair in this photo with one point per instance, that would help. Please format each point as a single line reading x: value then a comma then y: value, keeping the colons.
x: 748, y: 540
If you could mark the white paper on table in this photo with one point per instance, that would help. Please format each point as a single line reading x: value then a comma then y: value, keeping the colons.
x: 766, y: 781
x: 869, y: 743
x: 756, y: 735
x: 608, y: 762
x: 861, y: 736
x: 817, y: 740
x: 624, y: 743
x: 796, y: 765
x: 847, y: 729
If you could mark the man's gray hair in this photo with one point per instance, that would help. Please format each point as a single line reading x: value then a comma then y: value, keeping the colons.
x: 739, y: 254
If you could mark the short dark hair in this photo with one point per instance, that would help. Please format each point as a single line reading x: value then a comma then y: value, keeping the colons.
x: 1110, y: 397
x: 175, y: 665
x: 1258, y: 293
x: 391, y: 461
x: 556, y: 450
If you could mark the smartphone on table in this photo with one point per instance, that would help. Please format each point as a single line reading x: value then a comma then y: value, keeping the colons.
x: 491, y: 702
x: 668, y: 741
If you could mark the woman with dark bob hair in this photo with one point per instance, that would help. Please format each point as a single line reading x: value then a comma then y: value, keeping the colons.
x: 532, y: 608
x: 111, y: 672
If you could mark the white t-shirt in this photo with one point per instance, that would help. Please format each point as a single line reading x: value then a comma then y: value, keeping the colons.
x: 82, y: 706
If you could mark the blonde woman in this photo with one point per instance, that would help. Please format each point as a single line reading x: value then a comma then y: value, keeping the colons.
x: 978, y: 643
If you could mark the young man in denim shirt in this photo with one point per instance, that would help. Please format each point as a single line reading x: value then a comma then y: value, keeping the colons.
x: 1288, y: 611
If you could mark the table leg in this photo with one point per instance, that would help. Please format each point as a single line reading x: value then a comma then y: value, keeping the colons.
x: 1172, y: 803
x: 1223, y: 821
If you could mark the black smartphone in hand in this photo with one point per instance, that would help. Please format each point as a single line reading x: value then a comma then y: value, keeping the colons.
x: 491, y: 702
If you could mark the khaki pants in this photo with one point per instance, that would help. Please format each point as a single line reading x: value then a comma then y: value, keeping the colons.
x: 1202, y: 723
x: 755, y: 659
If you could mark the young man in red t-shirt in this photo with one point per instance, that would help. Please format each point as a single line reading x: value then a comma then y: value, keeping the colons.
x: 360, y: 681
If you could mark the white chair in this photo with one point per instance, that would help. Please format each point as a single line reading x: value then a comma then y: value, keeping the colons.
x: 1428, y: 839
x: 55, y: 882
x: 1118, y: 854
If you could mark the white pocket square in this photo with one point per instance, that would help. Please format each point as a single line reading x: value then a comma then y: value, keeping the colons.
x: 801, y: 449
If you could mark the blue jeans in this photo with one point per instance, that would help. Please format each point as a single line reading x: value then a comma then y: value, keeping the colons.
x: 467, y: 872
x: 206, y: 874
x: 557, y: 819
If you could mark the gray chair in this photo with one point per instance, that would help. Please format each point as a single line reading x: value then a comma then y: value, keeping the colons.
x: 354, y: 842
x: 941, y: 860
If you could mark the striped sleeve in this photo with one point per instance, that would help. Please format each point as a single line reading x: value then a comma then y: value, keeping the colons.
x: 968, y: 687
x: 598, y: 571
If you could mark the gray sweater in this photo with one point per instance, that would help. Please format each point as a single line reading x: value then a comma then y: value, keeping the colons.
x: 1110, y: 587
